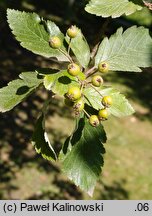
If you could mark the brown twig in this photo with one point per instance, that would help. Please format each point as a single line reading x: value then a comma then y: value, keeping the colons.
x: 90, y: 71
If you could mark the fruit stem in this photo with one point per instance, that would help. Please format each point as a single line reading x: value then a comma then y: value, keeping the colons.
x: 96, y: 90
x: 91, y: 74
x: 87, y: 114
x: 69, y: 47
x: 83, y: 83
x: 94, y: 51
x: 90, y: 71
x: 79, y: 81
x: 66, y: 54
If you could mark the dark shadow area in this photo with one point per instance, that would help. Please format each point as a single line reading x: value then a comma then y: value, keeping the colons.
x: 115, y: 191
x: 46, y: 71
x: 139, y: 88
x: 64, y: 80
x: 139, y: 2
x: 67, y: 191
x: 68, y: 188
x: 22, y: 90
x: 6, y: 174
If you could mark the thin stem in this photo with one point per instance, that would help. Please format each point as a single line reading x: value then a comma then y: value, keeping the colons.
x: 66, y: 54
x: 90, y: 71
x: 69, y: 47
x: 87, y: 114
x: 82, y: 85
x: 91, y: 74
x: 96, y: 90
x: 94, y: 51
x: 79, y: 81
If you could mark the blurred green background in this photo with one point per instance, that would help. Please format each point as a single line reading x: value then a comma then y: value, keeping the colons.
x: 127, y: 173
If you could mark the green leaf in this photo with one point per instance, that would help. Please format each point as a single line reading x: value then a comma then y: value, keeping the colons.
x: 84, y: 161
x: 141, y: 17
x: 17, y: 90
x: 111, y: 8
x: 126, y: 51
x: 80, y: 48
x: 40, y: 140
x: 30, y: 31
x: 120, y: 106
x: 59, y: 82
x: 73, y: 138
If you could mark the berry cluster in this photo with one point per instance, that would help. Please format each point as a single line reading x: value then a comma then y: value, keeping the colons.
x: 75, y: 97
x: 103, y: 113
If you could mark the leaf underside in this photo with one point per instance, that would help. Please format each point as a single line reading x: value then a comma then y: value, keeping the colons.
x: 128, y: 51
x: 84, y: 160
x: 120, y: 106
x: 59, y: 82
x: 80, y: 48
x: 33, y: 35
x: 111, y: 8
x: 17, y: 90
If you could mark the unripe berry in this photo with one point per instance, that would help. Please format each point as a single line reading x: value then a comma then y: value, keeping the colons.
x: 74, y: 93
x: 97, y: 80
x: 72, y: 31
x: 103, y: 114
x: 103, y: 67
x: 94, y: 121
x: 107, y: 101
x: 79, y: 105
x: 55, y: 42
x: 73, y: 69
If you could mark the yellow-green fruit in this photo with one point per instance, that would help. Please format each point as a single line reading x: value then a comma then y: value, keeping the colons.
x: 74, y: 93
x: 72, y: 31
x: 73, y: 69
x: 94, y: 121
x: 55, y: 42
x: 97, y: 80
x: 103, y: 114
x: 107, y: 101
x: 103, y: 67
x: 79, y: 105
